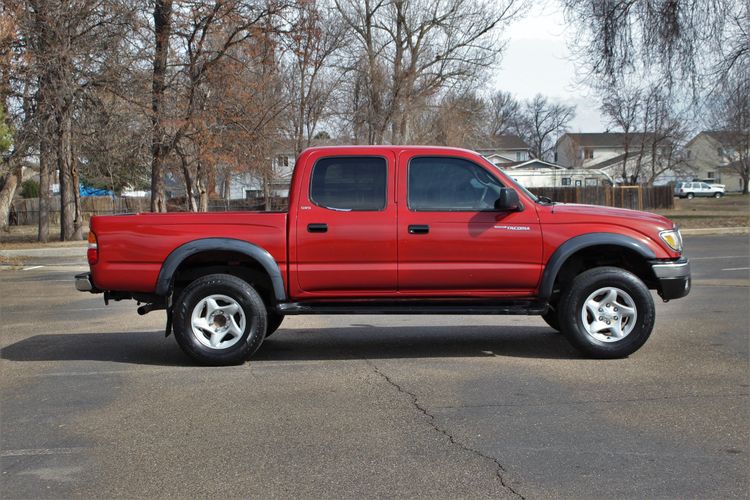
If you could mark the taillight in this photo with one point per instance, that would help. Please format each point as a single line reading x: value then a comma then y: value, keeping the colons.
x: 92, y: 254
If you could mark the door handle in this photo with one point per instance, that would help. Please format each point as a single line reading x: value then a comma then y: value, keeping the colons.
x: 317, y: 228
x: 419, y: 229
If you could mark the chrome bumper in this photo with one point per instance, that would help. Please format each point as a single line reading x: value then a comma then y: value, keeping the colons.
x: 673, y: 278
x: 83, y: 283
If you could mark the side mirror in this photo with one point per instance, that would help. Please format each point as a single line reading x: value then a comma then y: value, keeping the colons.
x: 508, y: 201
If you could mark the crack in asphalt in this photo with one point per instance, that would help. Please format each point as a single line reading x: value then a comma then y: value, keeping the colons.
x: 500, y: 470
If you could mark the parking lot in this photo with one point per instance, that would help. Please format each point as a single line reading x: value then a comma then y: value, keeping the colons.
x: 96, y: 402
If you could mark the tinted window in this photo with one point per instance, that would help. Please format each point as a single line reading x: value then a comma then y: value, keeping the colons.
x: 705, y: 186
x: 450, y: 184
x: 355, y: 183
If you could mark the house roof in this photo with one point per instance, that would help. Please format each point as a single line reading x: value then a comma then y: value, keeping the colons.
x: 724, y: 137
x: 534, y: 161
x: 606, y: 139
x: 507, y: 142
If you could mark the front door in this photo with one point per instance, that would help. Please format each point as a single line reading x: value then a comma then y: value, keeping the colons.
x: 451, y: 240
x: 346, y: 225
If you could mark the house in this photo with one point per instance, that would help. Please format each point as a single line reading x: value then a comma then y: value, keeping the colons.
x: 713, y: 156
x: 250, y: 185
x: 538, y: 173
x: 634, y: 157
x: 506, y: 149
x: 589, y: 150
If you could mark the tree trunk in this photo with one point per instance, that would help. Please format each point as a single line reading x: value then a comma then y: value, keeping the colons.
x: 162, y: 26
x: 46, y: 158
x: 203, y: 188
x: 7, y: 192
x: 71, y: 227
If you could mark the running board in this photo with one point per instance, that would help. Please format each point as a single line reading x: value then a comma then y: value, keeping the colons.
x: 408, y: 306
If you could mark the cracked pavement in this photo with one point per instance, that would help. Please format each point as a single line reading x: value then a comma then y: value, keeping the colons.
x: 95, y: 402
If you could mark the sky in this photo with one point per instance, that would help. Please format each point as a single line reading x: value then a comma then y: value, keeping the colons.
x: 537, y: 60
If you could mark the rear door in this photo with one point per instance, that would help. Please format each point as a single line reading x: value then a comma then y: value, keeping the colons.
x: 346, y: 224
x: 451, y: 240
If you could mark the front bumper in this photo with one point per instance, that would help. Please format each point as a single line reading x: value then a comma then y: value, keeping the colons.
x: 673, y: 278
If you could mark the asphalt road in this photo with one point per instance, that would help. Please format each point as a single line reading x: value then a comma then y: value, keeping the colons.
x: 97, y: 403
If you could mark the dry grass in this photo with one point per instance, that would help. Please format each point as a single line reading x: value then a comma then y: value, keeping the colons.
x: 729, y: 211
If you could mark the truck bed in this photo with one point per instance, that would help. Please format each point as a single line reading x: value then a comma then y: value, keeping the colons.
x: 132, y: 248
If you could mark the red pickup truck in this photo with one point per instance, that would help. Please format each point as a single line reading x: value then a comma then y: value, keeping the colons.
x: 392, y: 230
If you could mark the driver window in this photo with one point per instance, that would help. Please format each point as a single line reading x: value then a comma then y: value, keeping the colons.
x: 450, y: 185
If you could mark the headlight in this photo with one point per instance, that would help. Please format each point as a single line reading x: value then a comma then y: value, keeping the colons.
x: 673, y: 238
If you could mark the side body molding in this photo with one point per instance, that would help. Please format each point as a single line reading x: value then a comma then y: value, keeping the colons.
x: 564, y: 251
x: 179, y: 254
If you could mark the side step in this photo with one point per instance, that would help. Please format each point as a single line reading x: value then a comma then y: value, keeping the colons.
x: 408, y: 306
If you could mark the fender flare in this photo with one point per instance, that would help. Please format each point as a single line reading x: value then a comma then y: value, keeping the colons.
x: 260, y: 255
x: 573, y: 245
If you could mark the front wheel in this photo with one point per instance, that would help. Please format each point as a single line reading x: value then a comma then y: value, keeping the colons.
x: 219, y: 319
x: 607, y: 312
x: 717, y: 195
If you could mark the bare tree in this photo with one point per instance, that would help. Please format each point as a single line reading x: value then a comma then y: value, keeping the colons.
x: 405, y: 52
x: 622, y: 107
x: 159, y: 148
x: 542, y: 122
x: 312, y: 40
x: 730, y: 113
x: 503, y: 112
x: 674, y: 41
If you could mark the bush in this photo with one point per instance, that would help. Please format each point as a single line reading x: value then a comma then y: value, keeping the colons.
x: 30, y: 189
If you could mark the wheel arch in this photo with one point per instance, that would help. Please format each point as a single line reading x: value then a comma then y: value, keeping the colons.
x: 253, y: 253
x: 580, y: 245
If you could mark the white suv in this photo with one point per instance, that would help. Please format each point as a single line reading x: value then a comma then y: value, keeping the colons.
x: 690, y: 190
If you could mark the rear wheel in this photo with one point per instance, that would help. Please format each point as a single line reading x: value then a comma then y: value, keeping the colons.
x: 607, y: 312
x: 219, y: 319
x: 690, y: 196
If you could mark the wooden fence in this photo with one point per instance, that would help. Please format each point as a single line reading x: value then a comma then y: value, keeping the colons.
x: 26, y: 211
x: 634, y: 197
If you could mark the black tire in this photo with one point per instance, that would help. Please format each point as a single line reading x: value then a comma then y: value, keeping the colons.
x: 717, y: 195
x: 550, y: 317
x: 274, y: 322
x: 244, y: 295
x: 570, y: 312
x: 690, y: 196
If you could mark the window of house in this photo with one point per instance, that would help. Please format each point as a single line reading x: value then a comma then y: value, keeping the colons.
x: 588, y: 154
x: 566, y: 181
x: 591, y: 181
x: 251, y: 194
x: 450, y: 185
x: 711, y: 175
x: 720, y: 151
x: 688, y: 154
x: 353, y: 183
x: 519, y: 156
x: 282, y: 161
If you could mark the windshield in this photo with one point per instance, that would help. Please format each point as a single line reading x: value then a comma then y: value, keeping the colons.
x: 515, y: 182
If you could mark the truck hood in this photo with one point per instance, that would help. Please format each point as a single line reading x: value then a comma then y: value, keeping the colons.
x: 575, y: 213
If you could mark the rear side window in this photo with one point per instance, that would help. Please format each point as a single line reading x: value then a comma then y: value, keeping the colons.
x: 349, y: 183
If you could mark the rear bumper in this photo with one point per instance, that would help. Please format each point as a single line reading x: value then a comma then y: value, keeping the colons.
x: 673, y: 278
x: 84, y: 283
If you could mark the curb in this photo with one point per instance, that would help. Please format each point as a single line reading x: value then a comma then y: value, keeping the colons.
x: 714, y: 230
